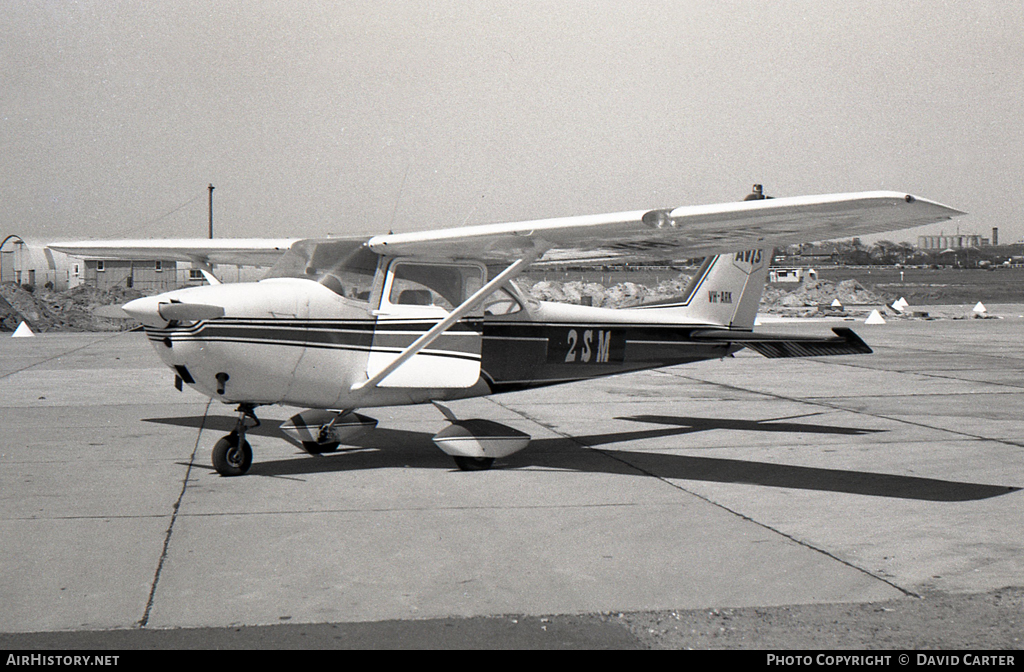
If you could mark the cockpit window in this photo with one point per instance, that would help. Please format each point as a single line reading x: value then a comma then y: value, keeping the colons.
x: 346, y: 267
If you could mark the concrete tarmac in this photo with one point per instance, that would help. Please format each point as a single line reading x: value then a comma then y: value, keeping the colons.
x: 743, y: 482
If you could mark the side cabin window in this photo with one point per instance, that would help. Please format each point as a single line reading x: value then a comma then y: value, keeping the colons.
x: 441, y: 285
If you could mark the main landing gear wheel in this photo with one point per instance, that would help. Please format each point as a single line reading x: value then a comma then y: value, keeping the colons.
x: 473, y: 463
x: 314, y: 448
x: 232, y: 455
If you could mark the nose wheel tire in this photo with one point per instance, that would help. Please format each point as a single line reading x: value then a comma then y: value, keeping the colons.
x: 231, y: 456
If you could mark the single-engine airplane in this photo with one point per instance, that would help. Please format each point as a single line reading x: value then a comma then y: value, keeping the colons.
x: 340, y: 324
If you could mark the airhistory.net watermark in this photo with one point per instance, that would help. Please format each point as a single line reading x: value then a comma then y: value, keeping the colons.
x: 66, y: 661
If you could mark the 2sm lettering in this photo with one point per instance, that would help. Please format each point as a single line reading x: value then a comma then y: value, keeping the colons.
x: 592, y: 345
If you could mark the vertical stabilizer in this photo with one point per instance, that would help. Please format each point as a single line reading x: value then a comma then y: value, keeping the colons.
x: 726, y: 291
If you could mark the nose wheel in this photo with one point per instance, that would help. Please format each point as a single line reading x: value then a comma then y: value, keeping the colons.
x: 232, y: 455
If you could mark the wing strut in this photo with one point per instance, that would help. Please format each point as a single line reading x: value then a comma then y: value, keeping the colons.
x: 205, y: 267
x: 435, y: 332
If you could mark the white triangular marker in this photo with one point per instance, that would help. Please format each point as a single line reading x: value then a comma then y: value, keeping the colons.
x: 902, y: 303
x: 980, y: 309
x: 23, y: 331
x: 836, y: 303
x: 874, y: 318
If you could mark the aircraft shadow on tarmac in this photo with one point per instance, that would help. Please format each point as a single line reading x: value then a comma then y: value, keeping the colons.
x: 390, y: 448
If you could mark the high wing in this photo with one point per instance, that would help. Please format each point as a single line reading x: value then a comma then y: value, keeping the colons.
x: 684, y: 232
x: 235, y: 251
x: 636, y: 236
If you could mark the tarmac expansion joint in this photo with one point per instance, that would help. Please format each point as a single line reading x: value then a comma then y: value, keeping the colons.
x: 144, y: 621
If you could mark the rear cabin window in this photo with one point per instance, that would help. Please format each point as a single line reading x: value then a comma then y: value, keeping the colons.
x: 501, y: 302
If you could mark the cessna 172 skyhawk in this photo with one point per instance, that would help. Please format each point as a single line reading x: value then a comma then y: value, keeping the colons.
x: 340, y: 324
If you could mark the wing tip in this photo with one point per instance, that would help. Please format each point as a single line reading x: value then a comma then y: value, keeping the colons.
x: 948, y: 211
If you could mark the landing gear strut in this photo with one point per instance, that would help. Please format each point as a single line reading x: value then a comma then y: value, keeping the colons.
x: 323, y: 443
x: 232, y: 455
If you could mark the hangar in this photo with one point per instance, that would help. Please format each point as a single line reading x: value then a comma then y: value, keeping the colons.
x: 29, y: 264
x: 33, y: 263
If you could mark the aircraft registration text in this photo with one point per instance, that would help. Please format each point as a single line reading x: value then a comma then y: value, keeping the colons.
x: 585, y: 346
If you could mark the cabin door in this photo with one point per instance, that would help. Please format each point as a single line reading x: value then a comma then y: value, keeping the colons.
x: 416, y: 296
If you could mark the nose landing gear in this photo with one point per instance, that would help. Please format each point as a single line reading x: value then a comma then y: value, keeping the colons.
x: 232, y: 455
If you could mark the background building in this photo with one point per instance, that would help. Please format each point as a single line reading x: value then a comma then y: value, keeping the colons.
x: 34, y: 264
x: 956, y: 242
x: 28, y: 263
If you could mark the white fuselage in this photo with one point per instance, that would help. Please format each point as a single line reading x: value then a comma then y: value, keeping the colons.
x: 282, y: 341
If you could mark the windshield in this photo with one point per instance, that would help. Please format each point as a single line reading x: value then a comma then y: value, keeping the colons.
x: 346, y: 267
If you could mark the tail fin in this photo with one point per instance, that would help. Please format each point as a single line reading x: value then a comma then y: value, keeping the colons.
x: 726, y: 291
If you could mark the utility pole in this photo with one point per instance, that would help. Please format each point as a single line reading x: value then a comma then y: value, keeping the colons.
x: 211, y: 212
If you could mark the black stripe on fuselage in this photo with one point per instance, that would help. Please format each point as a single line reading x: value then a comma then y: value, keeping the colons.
x: 518, y: 355
x: 515, y: 355
x: 355, y: 336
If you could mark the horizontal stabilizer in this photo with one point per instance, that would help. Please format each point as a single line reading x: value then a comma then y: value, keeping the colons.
x: 845, y: 342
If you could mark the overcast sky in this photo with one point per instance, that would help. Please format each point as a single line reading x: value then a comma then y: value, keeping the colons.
x: 312, y: 118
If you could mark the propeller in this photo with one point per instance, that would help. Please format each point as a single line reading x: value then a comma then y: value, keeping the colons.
x: 111, y: 312
x: 189, y: 312
x: 153, y: 312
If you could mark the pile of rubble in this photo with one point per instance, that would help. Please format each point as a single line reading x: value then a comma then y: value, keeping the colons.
x: 620, y: 295
x: 70, y: 310
x: 818, y: 297
x: 813, y: 296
